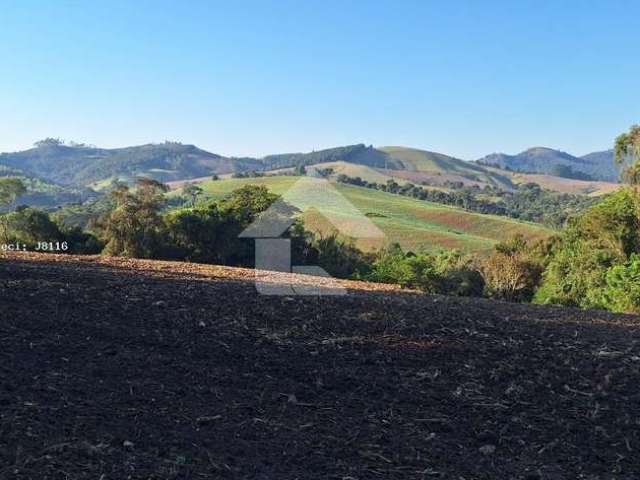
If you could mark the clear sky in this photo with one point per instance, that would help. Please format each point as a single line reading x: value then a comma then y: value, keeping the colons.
x: 465, y: 78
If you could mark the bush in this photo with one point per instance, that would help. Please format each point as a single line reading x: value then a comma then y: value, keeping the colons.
x: 209, y: 233
x: 511, y: 273
x: 448, y: 272
x: 31, y: 226
x: 579, y: 261
x: 458, y: 275
x: 575, y: 275
x: 192, y: 234
x: 622, y: 289
x: 339, y: 257
x: 513, y: 278
x: 81, y: 242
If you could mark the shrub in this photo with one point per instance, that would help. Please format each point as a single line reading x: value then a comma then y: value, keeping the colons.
x: 339, y: 257
x: 30, y: 226
x: 448, y: 272
x: 622, y: 289
x: 513, y: 278
x: 575, y: 275
x: 580, y: 259
x: 510, y: 272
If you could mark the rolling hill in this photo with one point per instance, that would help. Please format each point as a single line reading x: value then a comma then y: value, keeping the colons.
x: 410, y: 164
x: 597, y: 165
x: 169, y: 161
x: 45, y: 194
x: 412, y: 223
x: 83, y: 165
x: 437, y: 168
x: 591, y: 188
x: 87, y: 166
x: 553, y: 183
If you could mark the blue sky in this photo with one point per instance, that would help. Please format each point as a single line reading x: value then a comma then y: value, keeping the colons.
x: 252, y: 78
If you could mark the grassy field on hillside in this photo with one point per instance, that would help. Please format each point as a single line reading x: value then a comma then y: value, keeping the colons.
x: 366, y: 173
x: 420, y: 161
x: 413, y: 223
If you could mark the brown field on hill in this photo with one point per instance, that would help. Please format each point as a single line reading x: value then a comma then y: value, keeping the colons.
x: 115, y: 368
x: 431, y: 178
x: 568, y: 185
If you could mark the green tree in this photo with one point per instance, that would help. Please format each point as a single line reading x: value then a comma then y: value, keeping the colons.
x: 135, y: 227
x: 300, y: 170
x: 194, y: 234
x: 605, y: 236
x: 49, y: 142
x: 32, y: 226
x: 627, y: 152
x: 192, y: 191
x: 10, y: 189
x: 622, y: 287
x: 209, y: 233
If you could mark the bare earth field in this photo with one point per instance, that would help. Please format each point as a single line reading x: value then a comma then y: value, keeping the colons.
x: 116, y: 369
x: 567, y: 185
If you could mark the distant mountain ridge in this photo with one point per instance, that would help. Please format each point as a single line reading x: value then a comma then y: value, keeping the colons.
x: 597, y: 165
x: 83, y: 165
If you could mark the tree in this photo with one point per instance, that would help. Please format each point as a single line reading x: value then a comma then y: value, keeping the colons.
x: 209, y: 233
x: 49, y: 142
x: 622, y: 287
x: 194, y: 234
x: 134, y: 228
x: 627, y: 152
x: 300, y: 170
x: 603, y: 237
x: 10, y: 189
x: 32, y: 226
x: 613, y: 224
x: 192, y: 191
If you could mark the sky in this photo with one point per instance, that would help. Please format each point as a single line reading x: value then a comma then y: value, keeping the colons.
x: 250, y: 78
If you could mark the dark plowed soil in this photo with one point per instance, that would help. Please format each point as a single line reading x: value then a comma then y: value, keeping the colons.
x: 118, y: 369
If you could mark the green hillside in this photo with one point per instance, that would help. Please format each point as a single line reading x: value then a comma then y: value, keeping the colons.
x: 366, y: 173
x: 444, y: 166
x: 44, y: 194
x: 82, y: 165
x: 412, y: 223
x: 410, y: 164
x: 425, y: 161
